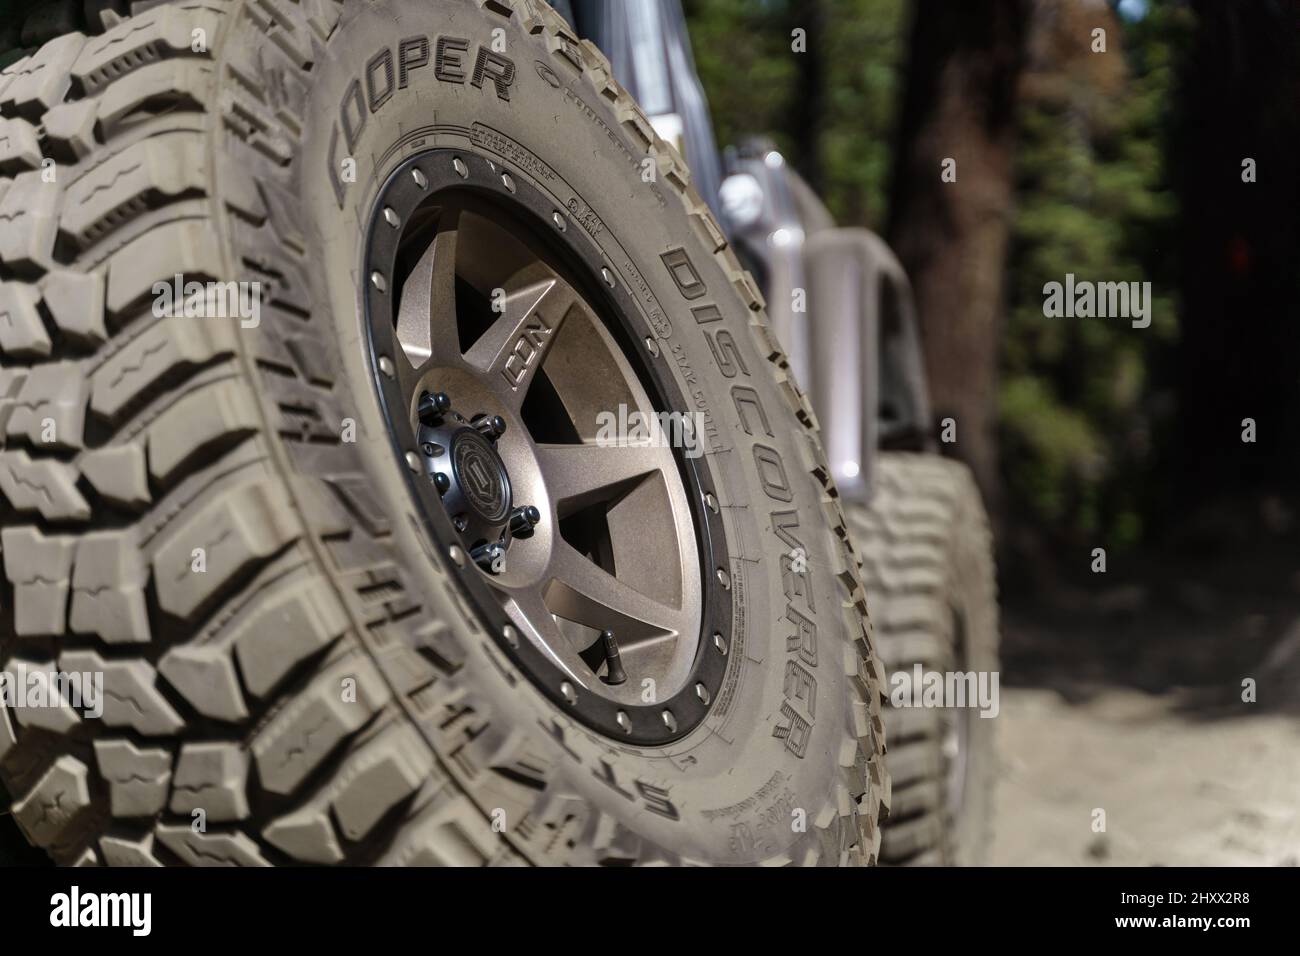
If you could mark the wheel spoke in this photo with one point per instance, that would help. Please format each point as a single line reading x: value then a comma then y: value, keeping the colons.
x: 426, y: 317
x: 582, y: 591
x: 529, y: 610
x: 577, y: 475
x: 514, y: 347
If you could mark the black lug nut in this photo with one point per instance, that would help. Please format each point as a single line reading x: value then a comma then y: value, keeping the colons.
x: 441, y: 482
x: 433, y: 405
x: 490, y: 427
x: 490, y: 557
x: 523, y: 520
x: 616, y: 674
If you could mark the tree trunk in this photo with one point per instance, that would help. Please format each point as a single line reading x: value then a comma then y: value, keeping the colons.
x: 952, y: 237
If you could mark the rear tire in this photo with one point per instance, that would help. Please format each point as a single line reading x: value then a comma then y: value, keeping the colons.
x: 927, y: 564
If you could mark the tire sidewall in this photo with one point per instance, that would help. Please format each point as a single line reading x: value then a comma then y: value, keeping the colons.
x: 733, y: 785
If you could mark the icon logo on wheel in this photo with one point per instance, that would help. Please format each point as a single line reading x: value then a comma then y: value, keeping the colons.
x: 482, y: 476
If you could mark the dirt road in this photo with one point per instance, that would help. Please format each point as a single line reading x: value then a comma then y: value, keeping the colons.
x: 1176, y: 789
x: 1124, y: 693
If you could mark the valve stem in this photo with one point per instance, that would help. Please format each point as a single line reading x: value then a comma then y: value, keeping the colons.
x: 490, y: 557
x: 616, y: 673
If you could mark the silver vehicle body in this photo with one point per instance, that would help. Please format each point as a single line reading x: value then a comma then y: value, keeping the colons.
x: 838, y: 299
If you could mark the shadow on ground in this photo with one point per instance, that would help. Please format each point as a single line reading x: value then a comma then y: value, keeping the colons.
x: 1123, y: 693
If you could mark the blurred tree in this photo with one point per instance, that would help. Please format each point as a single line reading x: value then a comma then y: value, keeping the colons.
x: 1085, y: 404
x: 1127, y: 167
x: 863, y: 45
x: 742, y: 53
x: 962, y: 74
x: 830, y: 109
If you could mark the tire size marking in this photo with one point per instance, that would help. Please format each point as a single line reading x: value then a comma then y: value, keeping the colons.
x: 518, y: 155
x: 799, y: 707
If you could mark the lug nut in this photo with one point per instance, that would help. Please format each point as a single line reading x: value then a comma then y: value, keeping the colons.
x: 441, y: 482
x: 490, y: 427
x: 433, y: 406
x: 523, y: 520
x: 490, y: 557
x: 616, y: 673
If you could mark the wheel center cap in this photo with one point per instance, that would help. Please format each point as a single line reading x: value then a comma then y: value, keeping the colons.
x: 482, y: 475
x: 461, y: 457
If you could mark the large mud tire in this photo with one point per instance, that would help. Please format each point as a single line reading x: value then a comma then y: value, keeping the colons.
x: 321, y: 690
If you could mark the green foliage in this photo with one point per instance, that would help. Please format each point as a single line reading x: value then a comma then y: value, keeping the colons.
x: 865, y: 41
x: 1081, y: 411
x: 1052, y: 452
x: 751, y: 77
x: 742, y: 54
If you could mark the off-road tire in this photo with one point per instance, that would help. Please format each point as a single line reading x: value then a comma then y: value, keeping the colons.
x: 321, y: 691
x: 927, y: 551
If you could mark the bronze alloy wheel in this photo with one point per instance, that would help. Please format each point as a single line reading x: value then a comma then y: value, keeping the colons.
x: 499, y: 352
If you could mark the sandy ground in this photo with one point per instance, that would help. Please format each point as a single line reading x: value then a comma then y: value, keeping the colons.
x: 1177, y: 789
x: 1125, y: 694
